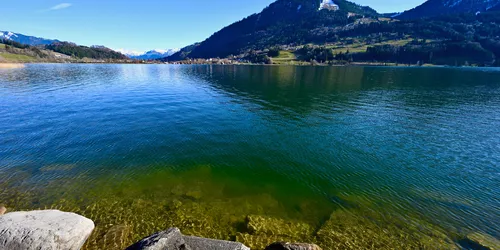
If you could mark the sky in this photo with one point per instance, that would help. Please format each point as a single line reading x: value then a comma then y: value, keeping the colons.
x: 139, y: 25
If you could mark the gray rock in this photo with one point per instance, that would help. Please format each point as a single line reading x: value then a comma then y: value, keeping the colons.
x: 3, y: 210
x: 44, y: 230
x: 197, y: 243
x: 292, y: 246
x: 171, y: 239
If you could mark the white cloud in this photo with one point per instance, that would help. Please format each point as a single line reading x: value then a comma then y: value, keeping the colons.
x: 61, y: 6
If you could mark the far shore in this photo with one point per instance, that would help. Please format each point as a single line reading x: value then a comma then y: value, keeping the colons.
x: 11, y: 65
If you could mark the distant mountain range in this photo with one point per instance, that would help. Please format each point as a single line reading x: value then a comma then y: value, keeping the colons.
x: 37, y: 41
x: 432, y: 8
x: 23, y: 39
x: 35, y: 49
x: 152, y: 54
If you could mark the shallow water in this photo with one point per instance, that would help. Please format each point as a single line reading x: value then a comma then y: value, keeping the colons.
x: 140, y: 148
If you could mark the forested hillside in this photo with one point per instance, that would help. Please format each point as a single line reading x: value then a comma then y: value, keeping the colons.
x: 94, y: 52
x: 282, y: 22
x: 12, y: 51
x: 433, y: 8
x: 354, y: 33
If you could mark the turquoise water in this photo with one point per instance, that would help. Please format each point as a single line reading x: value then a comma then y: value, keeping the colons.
x: 416, y: 142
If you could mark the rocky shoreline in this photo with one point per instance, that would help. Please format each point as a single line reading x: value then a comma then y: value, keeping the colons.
x: 54, y: 229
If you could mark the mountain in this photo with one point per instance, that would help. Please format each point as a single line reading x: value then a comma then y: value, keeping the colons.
x: 38, y: 48
x: 182, y: 53
x: 152, y: 54
x: 341, y: 32
x: 432, y: 8
x: 282, y: 22
x: 23, y: 39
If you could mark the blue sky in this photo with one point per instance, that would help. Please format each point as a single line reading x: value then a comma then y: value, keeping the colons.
x: 139, y: 24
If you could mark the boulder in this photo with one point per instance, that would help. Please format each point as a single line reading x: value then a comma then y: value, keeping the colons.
x: 172, y: 239
x: 44, y: 230
x: 197, y: 243
x: 3, y: 210
x: 292, y: 246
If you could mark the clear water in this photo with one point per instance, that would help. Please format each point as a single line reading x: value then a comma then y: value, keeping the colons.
x: 295, y: 143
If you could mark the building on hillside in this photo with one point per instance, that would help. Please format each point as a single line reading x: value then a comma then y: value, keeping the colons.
x: 329, y: 5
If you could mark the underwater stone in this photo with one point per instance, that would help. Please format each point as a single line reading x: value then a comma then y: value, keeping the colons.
x: 350, y: 230
x: 274, y: 226
x: 292, y: 246
x: 172, y: 239
x: 116, y: 237
x: 194, y: 195
x: 49, y: 229
x: 484, y: 240
x: 197, y: 243
x: 260, y: 241
x: 3, y: 210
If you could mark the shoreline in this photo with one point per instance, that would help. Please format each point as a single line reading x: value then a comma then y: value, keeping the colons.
x: 22, y: 65
x: 11, y: 65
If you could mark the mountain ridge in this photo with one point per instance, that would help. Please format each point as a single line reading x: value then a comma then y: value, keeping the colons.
x: 25, y: 39
x: 433, y: 8
x: 152, y: 54
x: 288, y: 17
x: 345, y: 32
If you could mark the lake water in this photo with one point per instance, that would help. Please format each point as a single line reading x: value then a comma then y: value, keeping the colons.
x: 360, y: 155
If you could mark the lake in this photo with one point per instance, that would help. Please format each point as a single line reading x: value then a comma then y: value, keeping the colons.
x: 367, y: 157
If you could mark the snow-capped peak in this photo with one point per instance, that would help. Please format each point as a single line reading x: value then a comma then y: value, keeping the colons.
x: 129, y: 52
x: 7, y: 35
x: 148, y: 55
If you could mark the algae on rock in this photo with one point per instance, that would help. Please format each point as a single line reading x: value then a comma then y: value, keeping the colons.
x: 260, y: 241
x: 484, y: 240
x: 263, y: 231
x: 273, y: 226
x: 346, y: 230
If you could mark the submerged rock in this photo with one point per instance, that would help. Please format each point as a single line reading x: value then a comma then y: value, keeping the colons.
x: 116, y: 237
x: 168, y: 240
x: 263, y: 230
x: 197, y: 243
x: 3, y: 210
x: 172, y: 239
x: 292, y: 246
x: 259, y: 242
x: 348, y: 230
x: 50, y: 229
x: 193, y: 194
x: 273, y: 226
x: 484, y: 241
